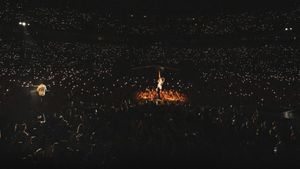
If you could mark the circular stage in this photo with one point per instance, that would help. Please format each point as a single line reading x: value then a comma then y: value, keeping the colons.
x: 166, y: 96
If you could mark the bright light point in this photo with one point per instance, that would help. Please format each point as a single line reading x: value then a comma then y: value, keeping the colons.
x: 41, y: 90
x: 275, y: 149
x: 286, y: 29
x: 24, y: 24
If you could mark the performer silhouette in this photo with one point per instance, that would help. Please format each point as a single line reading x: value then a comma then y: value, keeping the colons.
x: 160, y: 83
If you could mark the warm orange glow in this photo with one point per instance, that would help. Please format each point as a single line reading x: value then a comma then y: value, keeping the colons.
x: 165, y: 95
x: 41, y: 90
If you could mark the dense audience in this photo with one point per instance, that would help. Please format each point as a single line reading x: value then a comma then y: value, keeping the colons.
x: 236, y: 111
x: 265, y: 22
x: 95, y: 112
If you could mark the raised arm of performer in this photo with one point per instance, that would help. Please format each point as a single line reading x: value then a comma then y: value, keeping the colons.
x: 159, y: 76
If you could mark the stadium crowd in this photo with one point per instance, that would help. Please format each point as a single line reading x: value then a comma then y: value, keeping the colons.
x: 89, y: 112
x: 68, y: 19
x: 89, y: 117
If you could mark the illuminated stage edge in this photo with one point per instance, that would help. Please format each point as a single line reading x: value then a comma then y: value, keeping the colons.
x: 166, y: 96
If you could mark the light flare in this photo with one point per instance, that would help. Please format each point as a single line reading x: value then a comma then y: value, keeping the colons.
x: 41, y: 90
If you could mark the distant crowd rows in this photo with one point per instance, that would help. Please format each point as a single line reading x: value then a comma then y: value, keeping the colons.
x: 136, y: 24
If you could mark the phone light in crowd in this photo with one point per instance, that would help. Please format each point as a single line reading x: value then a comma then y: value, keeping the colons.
x: 23, y: 24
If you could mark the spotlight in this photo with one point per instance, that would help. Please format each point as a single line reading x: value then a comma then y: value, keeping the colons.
x: 41, y: 90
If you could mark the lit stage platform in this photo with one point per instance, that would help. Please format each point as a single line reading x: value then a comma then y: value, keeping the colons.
x: 166, y: 96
